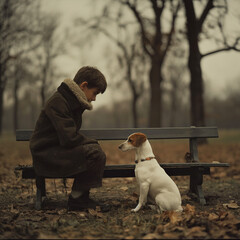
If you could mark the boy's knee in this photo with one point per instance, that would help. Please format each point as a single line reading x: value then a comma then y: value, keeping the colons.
x: 94, y: 153
x: 102, y: 157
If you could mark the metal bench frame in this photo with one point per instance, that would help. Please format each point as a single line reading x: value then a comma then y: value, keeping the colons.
x: 194, y: 169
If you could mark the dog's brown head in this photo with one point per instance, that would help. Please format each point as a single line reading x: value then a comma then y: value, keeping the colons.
x: 135, y: 140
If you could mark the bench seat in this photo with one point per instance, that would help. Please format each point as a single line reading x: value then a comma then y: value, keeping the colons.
x: 115, y: 171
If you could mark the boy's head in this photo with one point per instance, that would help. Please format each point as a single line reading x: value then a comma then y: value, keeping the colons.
x: 93, y: 77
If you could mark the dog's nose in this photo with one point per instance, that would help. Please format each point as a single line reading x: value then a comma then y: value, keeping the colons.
x: 120, y: 146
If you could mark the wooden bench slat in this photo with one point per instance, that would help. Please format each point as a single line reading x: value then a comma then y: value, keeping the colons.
x: 123, y: 133
x: 114, y: 171
x: 164, y: 165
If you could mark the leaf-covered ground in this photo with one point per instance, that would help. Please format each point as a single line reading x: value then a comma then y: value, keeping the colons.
x: 220, y: 218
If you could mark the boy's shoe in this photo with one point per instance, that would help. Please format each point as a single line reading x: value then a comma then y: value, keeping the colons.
x: 81, y: 203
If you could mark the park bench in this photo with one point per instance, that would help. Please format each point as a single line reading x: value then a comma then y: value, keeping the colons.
x: 193, y: 168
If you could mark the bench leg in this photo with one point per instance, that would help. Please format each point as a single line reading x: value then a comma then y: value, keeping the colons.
x: 196, y: 180
x: 41, y: 192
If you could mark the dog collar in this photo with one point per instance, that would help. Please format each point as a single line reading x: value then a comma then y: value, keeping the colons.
x: 145, y: 159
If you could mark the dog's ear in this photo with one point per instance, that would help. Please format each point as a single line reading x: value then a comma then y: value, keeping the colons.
x: 140, y: 139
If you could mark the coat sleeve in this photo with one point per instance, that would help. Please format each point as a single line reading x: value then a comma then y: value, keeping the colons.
x: 59, y: 114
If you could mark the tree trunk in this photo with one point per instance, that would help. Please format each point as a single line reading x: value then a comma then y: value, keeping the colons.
x: 134, y: 111
x: 173, y: 106
x: 156, y: 93
x: 42, y: 93
x: 1, y: 109
x: 194, y: 64
x: 15, y: 113
x: 197, y: 91
x: 44, y: 81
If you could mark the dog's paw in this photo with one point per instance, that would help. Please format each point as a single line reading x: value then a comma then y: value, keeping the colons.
x: 134, y: 210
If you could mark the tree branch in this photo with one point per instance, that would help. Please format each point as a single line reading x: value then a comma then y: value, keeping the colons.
x: 25, y: 51
x: 158, y: 12
x: 169, y: 40
x: 205, y: 12
x: 145, y: 39
x: 228, y: 48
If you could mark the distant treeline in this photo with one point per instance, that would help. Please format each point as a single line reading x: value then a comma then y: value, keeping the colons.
x: 223, y: 113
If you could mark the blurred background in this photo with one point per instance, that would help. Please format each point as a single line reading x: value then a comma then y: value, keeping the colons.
x: 167, y: 62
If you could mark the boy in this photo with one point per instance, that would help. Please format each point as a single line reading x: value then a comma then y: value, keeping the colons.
x: 57, y: 146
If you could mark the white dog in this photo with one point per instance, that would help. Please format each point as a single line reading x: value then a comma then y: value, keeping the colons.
x: 156, y: 186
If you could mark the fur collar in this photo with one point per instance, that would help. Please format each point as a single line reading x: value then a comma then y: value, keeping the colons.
x: 78, y: 93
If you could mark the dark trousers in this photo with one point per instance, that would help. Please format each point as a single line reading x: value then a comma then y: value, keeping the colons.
x: 92, y: 177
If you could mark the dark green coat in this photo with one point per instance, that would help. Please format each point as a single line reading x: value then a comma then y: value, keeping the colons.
x: 56, y: 144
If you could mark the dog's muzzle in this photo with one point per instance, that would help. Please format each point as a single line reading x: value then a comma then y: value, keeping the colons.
x: 120, y: 146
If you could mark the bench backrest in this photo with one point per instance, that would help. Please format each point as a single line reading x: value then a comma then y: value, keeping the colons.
x: 123, y: 133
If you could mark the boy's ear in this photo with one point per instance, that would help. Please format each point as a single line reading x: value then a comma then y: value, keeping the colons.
x: 83, y: 85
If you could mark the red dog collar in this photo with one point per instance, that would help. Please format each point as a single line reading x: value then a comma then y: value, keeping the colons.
x: 145, y: 159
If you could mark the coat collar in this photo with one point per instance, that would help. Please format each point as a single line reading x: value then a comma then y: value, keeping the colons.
x: 73, y: 93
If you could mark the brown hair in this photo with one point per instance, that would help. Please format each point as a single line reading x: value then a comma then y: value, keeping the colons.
x: 92, y: 76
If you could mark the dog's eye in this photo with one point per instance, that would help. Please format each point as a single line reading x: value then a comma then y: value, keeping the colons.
x: 129, y: 140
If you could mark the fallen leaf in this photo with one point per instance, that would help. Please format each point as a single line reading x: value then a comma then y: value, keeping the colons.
x: 98, y: 208
x: 82, y: 215
x: 135, y: 194
x: 213, y: 217
x: 95, y: 213
x: 169, y: 235
x: 178, y: 229
x: 175, y: 217
x: 189, y: 209
x: 151, y: 236
x: 185, y: 197
x: 132, y: 198
x: 231, y: 205
x: 13, y: 210
x: 116, y: 203
x: 126, y: 218
x: 159, y: 229
x: 92, y: 212
x: 223, y: 215
x: 130, y: 237
x: 100, y: 215
x: 198, y: 232
x: 47, y: 236
x: 217, y: 232
x: 231, y: 218
x: 62, y: 211
x: 124, y: 188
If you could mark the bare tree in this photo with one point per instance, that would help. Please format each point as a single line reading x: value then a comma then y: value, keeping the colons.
x: 133, y: 63
x: 21, y: 75
x: 177, y: 89
x: 18, y: 26
x: 156, y: 43
x: 194, y: 29
x: 51, y: 47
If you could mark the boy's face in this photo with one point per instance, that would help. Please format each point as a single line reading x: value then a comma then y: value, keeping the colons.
x: 90, y: 93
